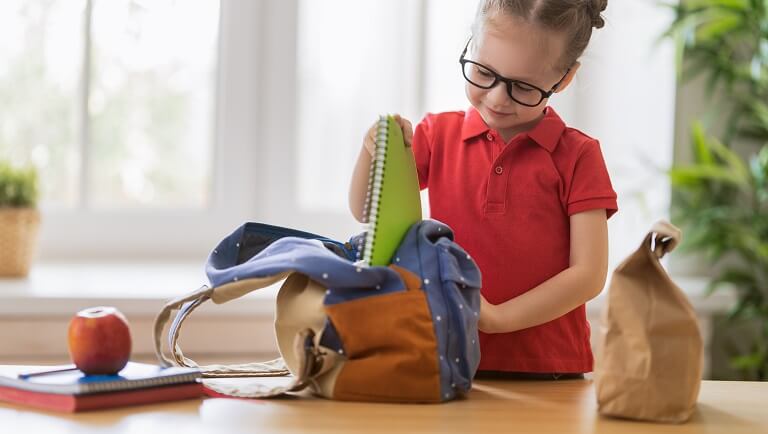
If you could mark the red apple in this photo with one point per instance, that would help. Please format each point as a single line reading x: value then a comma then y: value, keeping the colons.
x: 99, y: 340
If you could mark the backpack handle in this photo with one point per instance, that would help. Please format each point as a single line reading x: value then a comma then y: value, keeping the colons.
x: 186, y: 304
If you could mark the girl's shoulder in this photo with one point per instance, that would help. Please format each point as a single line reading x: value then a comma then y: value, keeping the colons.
x: 443, y: 124
x: 448, y: 117
x: 576, y: 141
x: 576, y: 136
x: 574, y: 147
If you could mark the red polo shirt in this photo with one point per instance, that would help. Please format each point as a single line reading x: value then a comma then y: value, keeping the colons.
x: 509, y: 206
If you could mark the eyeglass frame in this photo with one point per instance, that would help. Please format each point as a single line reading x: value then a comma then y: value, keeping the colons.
x: 507, y: 81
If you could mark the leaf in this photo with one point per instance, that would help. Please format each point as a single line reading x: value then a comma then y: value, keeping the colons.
x: 735, y: 5
x: 732, y: 125
x: 715, y: 76
x: 18, y: 186
x: 735, y: 276
x: 700, y: 146
x: 743, y: 309
x: 748, y: 361
x: 758, y: 165
x: 759, y: 109
x: 716, y: 28
x: 733, y: 160
x: 695, y: 174
x: 739, y: 5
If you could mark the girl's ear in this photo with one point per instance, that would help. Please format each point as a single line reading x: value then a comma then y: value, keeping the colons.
x: 568, y: 77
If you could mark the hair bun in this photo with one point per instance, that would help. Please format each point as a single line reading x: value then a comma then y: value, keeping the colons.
x: 595, y: 7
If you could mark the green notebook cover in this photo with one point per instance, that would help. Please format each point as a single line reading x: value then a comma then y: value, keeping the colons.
x: 393, y: 202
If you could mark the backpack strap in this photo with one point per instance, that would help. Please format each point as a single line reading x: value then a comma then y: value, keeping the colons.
x: 185, y: 305
x: 310, y: 366
x: 310, y: 360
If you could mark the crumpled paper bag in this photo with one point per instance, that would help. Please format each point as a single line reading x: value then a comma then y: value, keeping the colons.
x: 650, y: 365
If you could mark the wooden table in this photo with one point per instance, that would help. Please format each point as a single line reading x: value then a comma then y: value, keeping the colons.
x: 493, y: 407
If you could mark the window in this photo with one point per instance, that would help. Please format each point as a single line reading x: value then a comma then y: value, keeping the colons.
x: 116, y: 102
x: 354, y: 63
x: 112, y: 100
x: 40, y: 71
x: 151, y: 88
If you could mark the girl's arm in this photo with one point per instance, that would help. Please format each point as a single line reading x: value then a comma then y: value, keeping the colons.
x: 580, y: 282
x: 359, y: 184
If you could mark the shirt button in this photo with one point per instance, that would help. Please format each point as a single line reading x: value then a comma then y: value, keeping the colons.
x: 489, y: 136
x: 499, y: 170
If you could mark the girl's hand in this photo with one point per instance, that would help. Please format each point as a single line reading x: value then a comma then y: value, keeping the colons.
x: 369, y: 142
x: 407, y: 128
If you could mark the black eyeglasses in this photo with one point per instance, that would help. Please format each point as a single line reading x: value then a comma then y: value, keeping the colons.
x: 521, y: 92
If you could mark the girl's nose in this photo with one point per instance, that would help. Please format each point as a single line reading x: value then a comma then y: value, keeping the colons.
x: 498, y: 95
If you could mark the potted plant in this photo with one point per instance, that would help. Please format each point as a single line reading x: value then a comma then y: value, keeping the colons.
x: 720, y: 198
x: 19, y: 219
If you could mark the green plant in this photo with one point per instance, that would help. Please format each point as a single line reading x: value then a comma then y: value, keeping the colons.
x: 18, y: 186
x: 721, y: 198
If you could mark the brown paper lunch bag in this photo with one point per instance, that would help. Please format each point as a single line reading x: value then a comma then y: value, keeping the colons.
x: 650, y: 365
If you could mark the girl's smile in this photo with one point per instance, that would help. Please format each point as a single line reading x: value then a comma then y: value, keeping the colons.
x: 500, y: 113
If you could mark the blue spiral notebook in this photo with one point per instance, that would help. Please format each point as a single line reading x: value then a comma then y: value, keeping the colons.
x: 74, y: 382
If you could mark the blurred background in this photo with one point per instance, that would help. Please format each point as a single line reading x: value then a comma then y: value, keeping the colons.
x: 158, y: 126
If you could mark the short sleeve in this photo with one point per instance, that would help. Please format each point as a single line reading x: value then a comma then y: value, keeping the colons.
x: 422, y: 150
x: 590, y: 183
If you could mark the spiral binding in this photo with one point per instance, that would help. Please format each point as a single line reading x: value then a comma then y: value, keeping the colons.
x: 110, y: 386
x: 373, y: 195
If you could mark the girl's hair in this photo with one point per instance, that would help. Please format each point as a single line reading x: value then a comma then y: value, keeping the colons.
x: 574, y: 17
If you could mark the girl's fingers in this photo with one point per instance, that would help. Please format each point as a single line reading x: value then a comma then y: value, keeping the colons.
x: 370, y: 139
x: 407, y: 128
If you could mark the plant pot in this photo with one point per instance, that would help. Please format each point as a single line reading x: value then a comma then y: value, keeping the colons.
x: 18, y: 240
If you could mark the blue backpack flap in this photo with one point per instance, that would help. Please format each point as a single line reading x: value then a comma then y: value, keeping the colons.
x: 402, y: 333
x: 251, y: 238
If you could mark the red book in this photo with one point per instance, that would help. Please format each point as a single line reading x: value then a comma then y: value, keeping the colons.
x: 94, y: 401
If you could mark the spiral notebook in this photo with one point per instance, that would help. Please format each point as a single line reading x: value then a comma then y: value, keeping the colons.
x: 133, y: 376
x: 393, y: 202
x: 62, y: 388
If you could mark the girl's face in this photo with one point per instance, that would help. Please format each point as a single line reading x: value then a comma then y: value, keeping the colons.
x: 517, y: 50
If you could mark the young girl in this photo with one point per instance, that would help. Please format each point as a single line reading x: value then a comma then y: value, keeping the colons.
x: 527, y: 196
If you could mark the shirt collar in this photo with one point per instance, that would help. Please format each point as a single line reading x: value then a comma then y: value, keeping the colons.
x: 546, y: 133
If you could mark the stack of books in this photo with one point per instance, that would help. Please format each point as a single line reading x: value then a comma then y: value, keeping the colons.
x: 64, y: 388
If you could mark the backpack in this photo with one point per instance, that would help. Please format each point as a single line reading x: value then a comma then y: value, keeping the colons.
x: 402, y: 333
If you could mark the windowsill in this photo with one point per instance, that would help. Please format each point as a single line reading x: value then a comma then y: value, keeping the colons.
x: 142, y: 288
